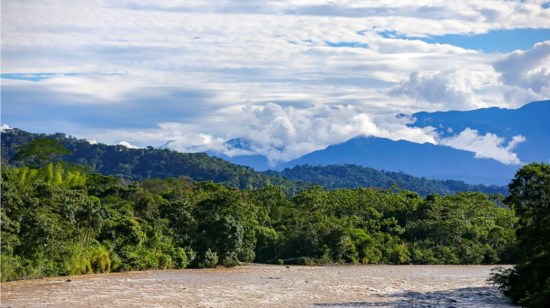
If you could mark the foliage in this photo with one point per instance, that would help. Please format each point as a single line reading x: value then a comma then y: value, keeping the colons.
x: 40, y: 152
x: 528, y: 283
x: 353, y: 176
x: 137, y: 164
x: 59, y: 221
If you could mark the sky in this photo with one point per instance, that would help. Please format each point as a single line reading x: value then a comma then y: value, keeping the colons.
x: 290, y: 76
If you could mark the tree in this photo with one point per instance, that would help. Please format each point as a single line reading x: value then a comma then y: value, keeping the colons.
x: 58, y: 221
x: 91, y: 216
x: 40, y: 152
x: 528, y: 283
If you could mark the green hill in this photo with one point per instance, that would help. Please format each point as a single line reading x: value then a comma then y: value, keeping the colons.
x: 138, y: 164
x: 353, y: 176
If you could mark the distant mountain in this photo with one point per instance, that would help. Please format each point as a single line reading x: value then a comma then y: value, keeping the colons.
x: 424, y: 160
x: 531, y: 121
x: 352, y: 176
x: 136, y: 164
x: 436, y: 162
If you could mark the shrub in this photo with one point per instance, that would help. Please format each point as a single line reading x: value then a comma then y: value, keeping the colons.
x: 99, y: 259
x: 9, y: 267
x: 306, y: 261
x: 209, y: 259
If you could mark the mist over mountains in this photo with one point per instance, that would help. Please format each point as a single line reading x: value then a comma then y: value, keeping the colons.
x: 530, y: 121
x: 467, y: 141
x: 432, y: 161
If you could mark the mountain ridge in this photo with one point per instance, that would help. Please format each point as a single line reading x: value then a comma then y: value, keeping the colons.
x: 353, y: 176
x: 412, y: 158
x: 529, y: 121
x: 136, y: 164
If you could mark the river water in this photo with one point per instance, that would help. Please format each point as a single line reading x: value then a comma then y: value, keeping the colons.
x: 266, y: 286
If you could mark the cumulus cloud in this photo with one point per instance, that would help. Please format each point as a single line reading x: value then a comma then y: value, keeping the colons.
x: 282, y: 134
x: 516, y: 96
x: 313, y: 72
x: 486, y: 146
x: 529, y: 69
x: 285, y: 133
x: 445, y: 90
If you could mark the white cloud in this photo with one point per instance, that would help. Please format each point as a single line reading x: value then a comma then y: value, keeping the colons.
x: 446, y: 90
x: 129, y: 145
x: 486, y: 146
x: 516, y: 96
x: 184, y: 70
x: 4, y: 127
x: 285, y: 133
x: 179, y: 136
x: 529, y: 69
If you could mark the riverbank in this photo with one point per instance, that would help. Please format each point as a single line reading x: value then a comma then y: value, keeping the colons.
x: 266, y: 286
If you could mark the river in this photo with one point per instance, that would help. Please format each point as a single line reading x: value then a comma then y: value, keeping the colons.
x: 266, y: 286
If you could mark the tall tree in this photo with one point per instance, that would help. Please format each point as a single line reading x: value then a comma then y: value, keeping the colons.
x: 40, y: 152
x: 91, y: 217
x: 528, y: 283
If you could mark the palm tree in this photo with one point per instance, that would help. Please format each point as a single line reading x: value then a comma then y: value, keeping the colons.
x: 91, y: 216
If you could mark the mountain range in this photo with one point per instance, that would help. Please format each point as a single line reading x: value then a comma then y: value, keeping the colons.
x: 361, y: 161
x: 136, y: 164
x: 429, y: 160
x: 424, y: 160
x: 531, y: 121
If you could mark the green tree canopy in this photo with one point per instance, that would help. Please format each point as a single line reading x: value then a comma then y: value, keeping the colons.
x: 528, y: 283
x: 40, y: 152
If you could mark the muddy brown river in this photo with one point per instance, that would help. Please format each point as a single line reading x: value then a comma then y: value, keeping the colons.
x: 266, y: 286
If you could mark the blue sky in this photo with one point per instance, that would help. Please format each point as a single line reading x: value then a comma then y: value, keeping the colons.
x: 292, y: 76
x: 493, y: 41
x: 502, y: 41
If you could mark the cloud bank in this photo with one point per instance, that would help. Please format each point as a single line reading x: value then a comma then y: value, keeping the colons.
x: 293, y: 76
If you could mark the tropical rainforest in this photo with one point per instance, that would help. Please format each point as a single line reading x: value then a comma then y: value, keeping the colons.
x: 353, y: 176
x: 61, y: 218
x: 528, y: 283
x: 57, y: 220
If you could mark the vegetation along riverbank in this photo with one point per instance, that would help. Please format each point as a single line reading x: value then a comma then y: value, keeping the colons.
x: 58, y: 219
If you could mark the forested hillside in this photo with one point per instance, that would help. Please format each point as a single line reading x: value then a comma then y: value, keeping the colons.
x: 136, y: 164
x: 62, y: 219
x: 353, y: 176
x: 57, y: 220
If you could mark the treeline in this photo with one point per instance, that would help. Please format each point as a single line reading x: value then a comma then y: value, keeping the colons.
x: 57, y: 220
x: 528, y: 283
x: 353, y: 176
